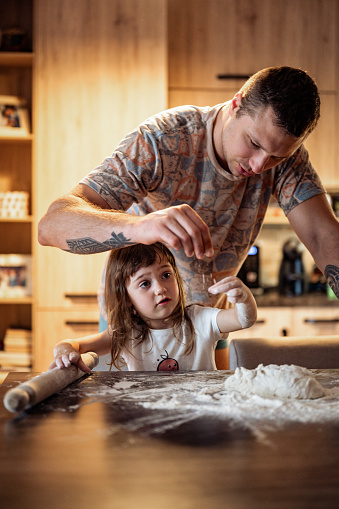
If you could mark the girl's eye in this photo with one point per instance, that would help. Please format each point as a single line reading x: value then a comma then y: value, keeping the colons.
x: 166, y: 275
x: 144, y: 284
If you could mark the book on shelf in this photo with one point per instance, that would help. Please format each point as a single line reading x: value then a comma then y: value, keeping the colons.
x: 17, y: 338
x: 18, y: 348
x: 9, y: 360
x: 14, y: 332
x: 17, y: 352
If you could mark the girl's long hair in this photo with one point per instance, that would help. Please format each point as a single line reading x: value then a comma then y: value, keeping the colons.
x: 124, y: 322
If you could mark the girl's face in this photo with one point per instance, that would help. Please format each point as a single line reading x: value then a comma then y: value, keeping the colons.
x: 154, y: 293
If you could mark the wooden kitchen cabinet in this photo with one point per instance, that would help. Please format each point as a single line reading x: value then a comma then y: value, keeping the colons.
x: 16, y: 161
x: 223, y: 37
x: 293, y: 321
x: 236, y: 39
x: 310, y: 321
x: 275, y: 321
x: 54, y: 326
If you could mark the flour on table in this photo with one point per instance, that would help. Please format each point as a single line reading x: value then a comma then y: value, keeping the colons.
x: 156, y: 405
x: 286, y: 381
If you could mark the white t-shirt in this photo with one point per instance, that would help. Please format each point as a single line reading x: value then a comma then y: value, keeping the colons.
x: 161, y: 351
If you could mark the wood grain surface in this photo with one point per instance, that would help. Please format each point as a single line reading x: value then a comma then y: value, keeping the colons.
x: 94, y: 444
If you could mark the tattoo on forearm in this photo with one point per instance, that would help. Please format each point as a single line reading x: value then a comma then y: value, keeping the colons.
x: 332, y: 276
x: 87, y: 245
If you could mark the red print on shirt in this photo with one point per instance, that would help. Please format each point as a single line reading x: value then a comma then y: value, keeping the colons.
x: 167, y: 364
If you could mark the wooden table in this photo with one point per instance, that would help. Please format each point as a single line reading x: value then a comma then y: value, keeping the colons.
x: 98, y: 444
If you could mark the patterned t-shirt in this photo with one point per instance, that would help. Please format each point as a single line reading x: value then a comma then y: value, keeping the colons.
x: 170, y: 160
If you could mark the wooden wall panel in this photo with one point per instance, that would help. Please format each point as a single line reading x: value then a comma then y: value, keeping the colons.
x: 100, y: 70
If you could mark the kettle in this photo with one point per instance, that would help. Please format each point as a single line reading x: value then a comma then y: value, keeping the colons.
x: 292, y: 274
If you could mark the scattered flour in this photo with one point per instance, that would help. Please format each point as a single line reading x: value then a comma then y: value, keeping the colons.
x: 260, y: 415
x: 286, y: 381
x: 162, y: 403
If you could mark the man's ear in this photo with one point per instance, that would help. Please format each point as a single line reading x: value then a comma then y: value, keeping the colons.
x: 235, y: 104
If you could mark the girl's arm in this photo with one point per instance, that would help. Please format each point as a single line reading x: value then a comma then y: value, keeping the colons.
x: 244, y: 312
x: 69, y: 351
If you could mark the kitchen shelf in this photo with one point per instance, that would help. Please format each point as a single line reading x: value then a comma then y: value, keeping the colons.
x: 16, y: 58
x: 16, y: 300
x: 27, y: 138
x: 27, y: 219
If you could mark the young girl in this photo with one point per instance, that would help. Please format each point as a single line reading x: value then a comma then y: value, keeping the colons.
x: 150, y: 327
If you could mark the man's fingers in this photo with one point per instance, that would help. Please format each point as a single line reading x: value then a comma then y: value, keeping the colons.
x: 199, y: 233
x: 179, y: 227
x: 186, y: 230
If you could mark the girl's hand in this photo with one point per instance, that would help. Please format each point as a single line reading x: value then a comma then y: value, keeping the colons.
x: 244, y: 312
x: 234, y: 288
x: 65, y: 355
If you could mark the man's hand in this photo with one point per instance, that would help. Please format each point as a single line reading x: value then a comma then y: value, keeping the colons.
x: 178, y: 227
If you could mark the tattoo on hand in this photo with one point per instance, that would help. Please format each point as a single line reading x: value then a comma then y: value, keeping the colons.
x: 332, y: 276
x: 87, y: 245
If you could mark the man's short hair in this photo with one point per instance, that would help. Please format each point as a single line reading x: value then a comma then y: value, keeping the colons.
x: 292, y: 94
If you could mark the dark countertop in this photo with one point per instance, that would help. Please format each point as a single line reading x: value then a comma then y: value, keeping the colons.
x: 272, y: 298
x: 165, y: 439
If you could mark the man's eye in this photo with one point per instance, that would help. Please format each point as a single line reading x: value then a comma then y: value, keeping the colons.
x: 254, y: 144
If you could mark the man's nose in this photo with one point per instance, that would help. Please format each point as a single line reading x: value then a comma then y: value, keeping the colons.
x: 259, y: 163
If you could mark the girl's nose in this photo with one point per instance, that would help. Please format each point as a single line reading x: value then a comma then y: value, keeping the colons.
x: 159, y: 288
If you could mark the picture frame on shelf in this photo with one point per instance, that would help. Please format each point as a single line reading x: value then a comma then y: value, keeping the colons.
x: 15, y: 276
x: 14, y: 118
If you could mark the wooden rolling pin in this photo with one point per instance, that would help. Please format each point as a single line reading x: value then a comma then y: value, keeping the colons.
x: 42, y: 386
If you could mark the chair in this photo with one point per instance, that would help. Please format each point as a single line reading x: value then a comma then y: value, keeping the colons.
x: 320, y: 352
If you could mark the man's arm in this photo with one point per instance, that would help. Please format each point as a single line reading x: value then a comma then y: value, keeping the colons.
x: 318, y: 229
x: 81, y: 222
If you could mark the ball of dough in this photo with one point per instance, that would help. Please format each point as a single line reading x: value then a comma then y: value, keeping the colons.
x: 285, y: 381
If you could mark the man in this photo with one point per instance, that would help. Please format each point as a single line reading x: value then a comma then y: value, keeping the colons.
x: 200, y: 179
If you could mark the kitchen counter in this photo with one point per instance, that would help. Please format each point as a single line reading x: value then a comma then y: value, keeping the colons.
x: 164, y: 439
x: 273, y: 299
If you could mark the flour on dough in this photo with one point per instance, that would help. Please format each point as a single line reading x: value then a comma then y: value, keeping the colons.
x: 286, y: 381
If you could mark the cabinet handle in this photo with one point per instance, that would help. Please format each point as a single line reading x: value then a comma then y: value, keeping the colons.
x: 233, y: 76
x: 321, y: 320
x: 260, y: 322
x: 80, y: 295
x: 74, y: 323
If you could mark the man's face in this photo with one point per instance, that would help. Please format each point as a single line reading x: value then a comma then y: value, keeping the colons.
x: 251, y: 145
